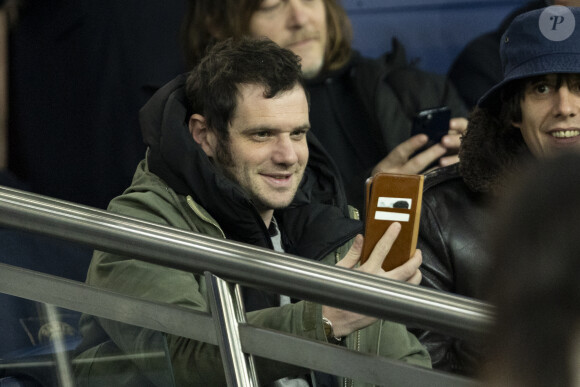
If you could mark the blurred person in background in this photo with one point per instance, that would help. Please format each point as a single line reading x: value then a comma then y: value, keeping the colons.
x: 533, y: 280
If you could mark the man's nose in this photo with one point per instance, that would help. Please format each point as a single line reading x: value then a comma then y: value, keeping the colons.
x: 297, y: 13
x: 285, y: 151
x: 567, y: 103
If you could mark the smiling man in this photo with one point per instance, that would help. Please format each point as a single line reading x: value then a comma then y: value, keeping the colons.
x: 533, y: 113
x: 230, y: 155
x: 550, y: 121
x: 266, y: 151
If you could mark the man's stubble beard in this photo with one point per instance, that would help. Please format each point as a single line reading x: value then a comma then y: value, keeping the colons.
x: 225, y: 163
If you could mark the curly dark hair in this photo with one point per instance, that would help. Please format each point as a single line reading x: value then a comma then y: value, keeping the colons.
x: 492, y: 147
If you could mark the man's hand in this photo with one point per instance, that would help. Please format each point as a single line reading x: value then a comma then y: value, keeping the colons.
x: 399, y: 161
x: 408, y: 272
x: 344, y: 321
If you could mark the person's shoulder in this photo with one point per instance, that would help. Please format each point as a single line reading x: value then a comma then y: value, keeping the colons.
x: 445, y: 187
x: 391, y: 60
x: 392, y: 77
x: 414, y: 87
x: 146, y: 198
x: 381, y: 67
x: 441, y: 178
x: 446, y: 196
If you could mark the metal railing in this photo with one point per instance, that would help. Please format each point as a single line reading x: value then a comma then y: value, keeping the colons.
x: 235, y: 262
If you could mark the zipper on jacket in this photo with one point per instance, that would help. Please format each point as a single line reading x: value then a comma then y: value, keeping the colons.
x: 199, y: 213
x: 348, y: 382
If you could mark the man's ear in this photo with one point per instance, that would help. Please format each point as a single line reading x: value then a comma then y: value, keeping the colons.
x: 201, y: 134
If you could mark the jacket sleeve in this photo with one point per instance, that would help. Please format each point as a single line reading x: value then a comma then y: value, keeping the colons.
x: 193, y: 363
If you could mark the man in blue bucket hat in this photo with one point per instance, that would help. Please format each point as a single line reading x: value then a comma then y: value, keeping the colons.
x: 532, y: 114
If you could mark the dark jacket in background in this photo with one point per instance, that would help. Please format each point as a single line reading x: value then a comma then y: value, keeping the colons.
x: 80, y: 70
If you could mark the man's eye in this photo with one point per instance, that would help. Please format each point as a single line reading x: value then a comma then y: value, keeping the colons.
x: 542, y: 89
x: 269, y: 5
x: 298, y: 134
x: 575, y: 87
x: 262, y: 135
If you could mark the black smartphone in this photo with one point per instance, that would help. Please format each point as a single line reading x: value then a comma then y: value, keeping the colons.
x: 433, y: 122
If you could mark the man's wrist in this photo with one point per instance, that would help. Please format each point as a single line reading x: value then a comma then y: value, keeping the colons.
x: 329, y: 331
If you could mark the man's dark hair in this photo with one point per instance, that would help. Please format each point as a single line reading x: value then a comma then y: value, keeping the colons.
x: 212, y: 87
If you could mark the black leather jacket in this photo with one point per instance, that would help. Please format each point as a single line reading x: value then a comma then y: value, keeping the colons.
x: 451, y: 238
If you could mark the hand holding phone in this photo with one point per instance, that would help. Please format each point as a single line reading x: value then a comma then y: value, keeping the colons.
x: 434, y: 123
x: 393, y: 198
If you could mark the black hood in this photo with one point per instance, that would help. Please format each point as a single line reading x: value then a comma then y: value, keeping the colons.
x: 176, y: 158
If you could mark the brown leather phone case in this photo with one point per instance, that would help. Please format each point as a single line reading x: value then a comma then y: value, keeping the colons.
x: 392, y: 198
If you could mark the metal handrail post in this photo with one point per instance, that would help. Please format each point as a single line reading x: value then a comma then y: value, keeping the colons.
x: 63, y: 364
x: 225, y: 315
x: 241, y: 318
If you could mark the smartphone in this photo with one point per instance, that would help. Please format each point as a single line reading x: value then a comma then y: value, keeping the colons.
x: 392, y: 198
x: 434, y: 123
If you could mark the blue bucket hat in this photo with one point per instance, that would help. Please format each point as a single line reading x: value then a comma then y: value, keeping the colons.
x: 543, y: 41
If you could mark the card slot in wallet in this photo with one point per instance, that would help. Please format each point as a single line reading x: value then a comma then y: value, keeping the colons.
x: 392, y: 198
